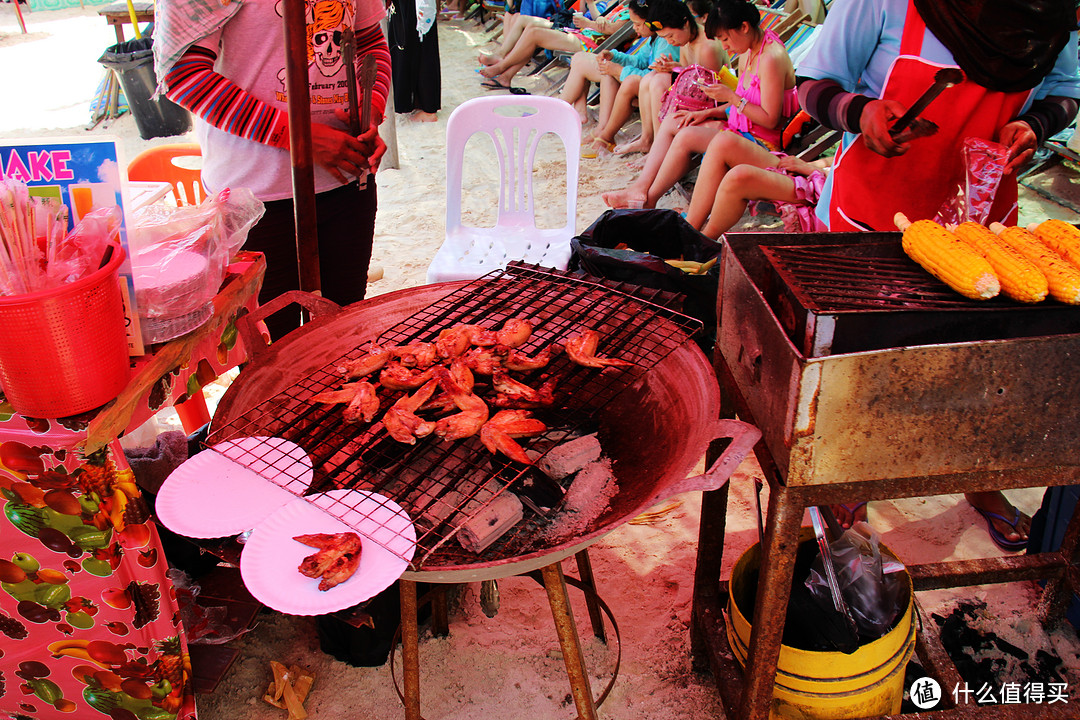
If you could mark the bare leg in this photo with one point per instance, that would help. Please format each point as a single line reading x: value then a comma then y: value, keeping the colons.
x: 740, y: 185
x: 533, y: 38
x: 638, y: 191
x: 609, y: 96
x: 658, y: 83
x: 584, y: 68
x: 676, y: 163
x: 621, y: 108
x: 726, y: 150
x: 514, y: 24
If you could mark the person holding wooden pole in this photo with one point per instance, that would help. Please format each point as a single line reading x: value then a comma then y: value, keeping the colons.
x: 226, y: 63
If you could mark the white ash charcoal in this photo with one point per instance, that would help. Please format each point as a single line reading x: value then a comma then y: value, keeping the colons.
x: 566, y: 459
x: 589, y: 494
x: 491, y: 523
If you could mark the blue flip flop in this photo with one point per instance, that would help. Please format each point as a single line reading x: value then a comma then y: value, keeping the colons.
x: 997, y: 536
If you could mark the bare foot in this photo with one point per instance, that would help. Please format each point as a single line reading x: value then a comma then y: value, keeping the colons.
x: 624, y: 198
x: 424, y: 116
x: 637, y: 145
x: 1011, y: 525
x: 847, y: 514
x: 489, y: 71
x: 488, y: 59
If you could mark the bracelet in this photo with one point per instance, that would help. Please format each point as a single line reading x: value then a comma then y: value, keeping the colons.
x: 742, y: 104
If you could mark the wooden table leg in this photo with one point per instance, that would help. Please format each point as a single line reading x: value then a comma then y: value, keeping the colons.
x: 555, y: 584
x: 410, y: 649
x: 585, y: 574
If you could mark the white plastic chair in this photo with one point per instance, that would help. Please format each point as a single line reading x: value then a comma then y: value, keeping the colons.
x: 469, y: 252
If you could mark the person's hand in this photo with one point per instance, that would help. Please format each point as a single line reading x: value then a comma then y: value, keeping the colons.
x: 580, y: 21
x: 1021, y: 141
x: 794, y: 164
x: 373, y: 146
x: 720, y: 93
x: 877, y: 117
x: 686, y: 118
x: 663, y: 64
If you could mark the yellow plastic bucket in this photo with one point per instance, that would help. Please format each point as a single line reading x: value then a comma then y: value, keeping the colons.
x: 813, y: 685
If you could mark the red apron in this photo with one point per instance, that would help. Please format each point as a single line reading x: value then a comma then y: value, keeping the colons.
x: 869, y: 189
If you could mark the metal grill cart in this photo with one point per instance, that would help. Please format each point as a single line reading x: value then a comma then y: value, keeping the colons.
x: 869, y: 380
x: 654, y: 421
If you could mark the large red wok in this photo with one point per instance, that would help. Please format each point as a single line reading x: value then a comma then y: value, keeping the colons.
x: 655, y: 431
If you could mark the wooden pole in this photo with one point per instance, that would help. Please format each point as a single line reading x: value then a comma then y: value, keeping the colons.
x: 303, y: 179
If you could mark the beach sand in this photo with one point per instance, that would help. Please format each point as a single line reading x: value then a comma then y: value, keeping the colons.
x: 509, y: 666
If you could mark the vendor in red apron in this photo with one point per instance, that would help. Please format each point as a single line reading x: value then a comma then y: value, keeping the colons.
x: 874, y: 58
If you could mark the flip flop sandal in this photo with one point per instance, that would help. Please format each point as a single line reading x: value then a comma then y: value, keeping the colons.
x: 850, y: 508
x: 997, y: 536
x: 493, y: 84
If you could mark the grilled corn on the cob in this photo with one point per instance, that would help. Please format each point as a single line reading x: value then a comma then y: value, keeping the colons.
x: 1061, y: 237
x: 1062, y: 277
x: 947, y: 258
x: 1020, y: 278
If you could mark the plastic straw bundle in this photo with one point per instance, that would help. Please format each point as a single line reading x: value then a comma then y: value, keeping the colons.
x: 23, y: 220
x: 36, y: 251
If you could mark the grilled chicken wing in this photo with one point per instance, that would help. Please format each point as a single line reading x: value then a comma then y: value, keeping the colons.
x: 581, y: 348
x: 337, y: 558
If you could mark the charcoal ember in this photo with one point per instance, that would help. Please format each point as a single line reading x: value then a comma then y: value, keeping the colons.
x: 12, y: 627
x: 145, y: 597
x: 566, y: 459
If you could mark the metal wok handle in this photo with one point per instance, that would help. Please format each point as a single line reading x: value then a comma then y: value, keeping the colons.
x: 743, y: 438
x: 254, y: 341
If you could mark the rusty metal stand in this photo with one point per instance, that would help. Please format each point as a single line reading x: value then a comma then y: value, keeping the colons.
x: 554, y: 582
x: 749, y: 696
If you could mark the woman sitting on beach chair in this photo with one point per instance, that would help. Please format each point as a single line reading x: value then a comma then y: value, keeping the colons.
x: 751, y: 116
x: 500, y: 69
x: 674, y: 21
x: 617, y: 73
x: 650, y: 87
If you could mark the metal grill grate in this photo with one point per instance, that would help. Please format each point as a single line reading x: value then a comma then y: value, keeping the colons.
x: 835, y: 278
x: 443, y: 484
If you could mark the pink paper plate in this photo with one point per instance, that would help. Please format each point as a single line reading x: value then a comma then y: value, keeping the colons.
x: 212, y: 496
x: 271, y: 558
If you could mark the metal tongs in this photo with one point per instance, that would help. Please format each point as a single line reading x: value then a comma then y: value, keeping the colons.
x: 359, y: 109
x: 910, y: 121
x: 830, y: 572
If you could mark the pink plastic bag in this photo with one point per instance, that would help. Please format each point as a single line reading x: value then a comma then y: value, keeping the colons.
x: 983, y: 166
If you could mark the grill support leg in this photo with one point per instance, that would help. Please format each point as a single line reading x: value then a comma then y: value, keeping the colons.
x: 555, y: 584
x: 410, y: 650
x: 774, y: 590
x: 585, y: 574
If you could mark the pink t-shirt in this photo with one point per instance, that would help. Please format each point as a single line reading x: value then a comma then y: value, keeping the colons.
x: 251, y: 53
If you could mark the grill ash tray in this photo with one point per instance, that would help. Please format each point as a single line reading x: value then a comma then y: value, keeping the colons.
x: 852, y: 292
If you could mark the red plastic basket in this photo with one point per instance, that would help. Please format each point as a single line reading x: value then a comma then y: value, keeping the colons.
x: 64, y: 351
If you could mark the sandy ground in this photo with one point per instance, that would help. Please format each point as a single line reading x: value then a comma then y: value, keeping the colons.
x: 508, y: 666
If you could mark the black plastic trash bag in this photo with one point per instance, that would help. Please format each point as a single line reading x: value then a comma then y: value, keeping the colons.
x: 133, y: 62
x: 653, y: 236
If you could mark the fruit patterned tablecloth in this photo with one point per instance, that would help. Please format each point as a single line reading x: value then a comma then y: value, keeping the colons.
x: 89, y: 622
